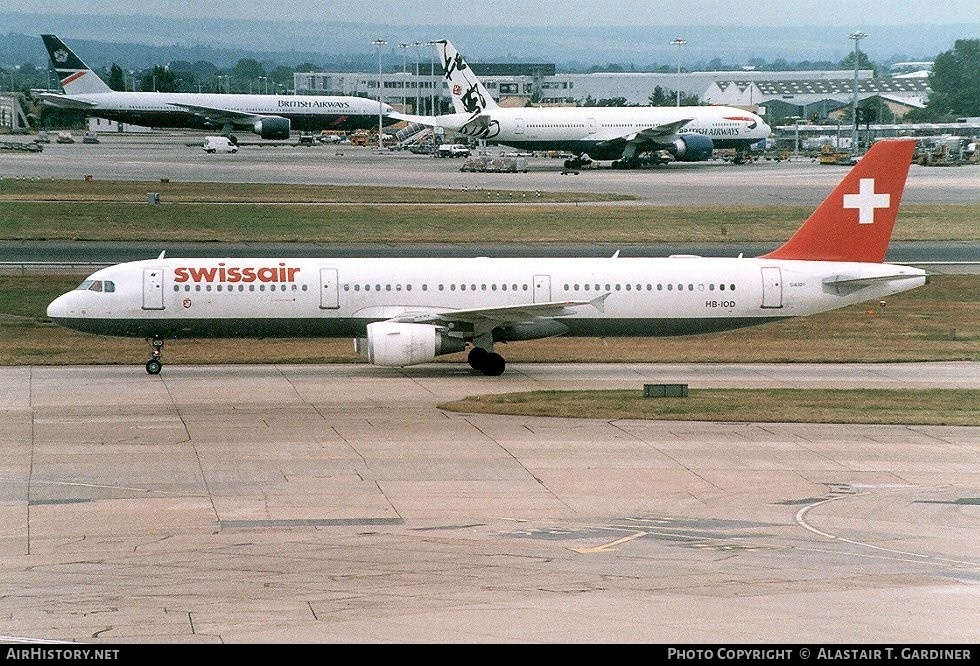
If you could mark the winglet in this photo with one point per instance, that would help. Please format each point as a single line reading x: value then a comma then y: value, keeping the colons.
x: 599, y: 302
x: 854, y: 223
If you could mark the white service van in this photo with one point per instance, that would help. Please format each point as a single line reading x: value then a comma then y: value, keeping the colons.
x: 219, y: 144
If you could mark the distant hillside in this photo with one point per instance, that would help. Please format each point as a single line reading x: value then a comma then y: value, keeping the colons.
x: 142, y: 41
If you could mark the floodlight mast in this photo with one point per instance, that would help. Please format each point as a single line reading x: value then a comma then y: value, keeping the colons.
x: 381, y: 94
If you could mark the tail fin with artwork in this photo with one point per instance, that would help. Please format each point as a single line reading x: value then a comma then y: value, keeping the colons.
x: 76, y: 77
x: 854, y: 223
x: 468, y: 94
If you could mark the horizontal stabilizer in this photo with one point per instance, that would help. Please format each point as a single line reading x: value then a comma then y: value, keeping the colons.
x: 64, y: 102
x: 847, y: 284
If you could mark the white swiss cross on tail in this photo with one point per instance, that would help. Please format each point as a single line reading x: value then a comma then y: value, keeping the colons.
x: 874, y: 187
x: 866, y: 201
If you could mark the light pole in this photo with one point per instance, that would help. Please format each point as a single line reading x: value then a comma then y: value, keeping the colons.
x: 418, y: 87
x: 857, y: 37
x: 678, y: 43
x: 432, y: 79
x: 381, y: 95
x: 404, y: 47
x: 265, y: 84
x: 796, y: 140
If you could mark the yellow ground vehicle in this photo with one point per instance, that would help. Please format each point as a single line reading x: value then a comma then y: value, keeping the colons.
x: 831, y: 155
x: 363, y: 138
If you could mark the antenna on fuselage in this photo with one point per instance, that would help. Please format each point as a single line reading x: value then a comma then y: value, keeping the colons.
x: 161, y: 254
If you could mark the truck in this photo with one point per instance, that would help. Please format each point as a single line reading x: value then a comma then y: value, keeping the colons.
x: 363, y: 138
x: 452, y: 150
x: 219, y: 144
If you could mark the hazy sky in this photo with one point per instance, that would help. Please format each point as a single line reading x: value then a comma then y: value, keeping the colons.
x: 848, y: 13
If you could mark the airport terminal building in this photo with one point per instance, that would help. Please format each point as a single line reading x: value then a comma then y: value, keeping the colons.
x: 519, y: 84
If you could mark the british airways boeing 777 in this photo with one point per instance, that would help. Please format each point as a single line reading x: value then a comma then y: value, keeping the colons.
x: 269, y: 116
x: 630, y: 136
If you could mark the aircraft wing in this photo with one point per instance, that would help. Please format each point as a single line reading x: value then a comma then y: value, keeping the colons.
x: 486, y: 319
x: 655, y: 134
x: 63, y: 101
x: 431, y: 121
x: 219, y: 115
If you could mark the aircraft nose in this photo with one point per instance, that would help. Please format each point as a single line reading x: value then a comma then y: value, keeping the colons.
x: 59, y: 307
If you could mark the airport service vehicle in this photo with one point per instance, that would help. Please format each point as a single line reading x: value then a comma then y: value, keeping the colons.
x: 452, y: 150
x: 402, y: 312
x: 269, y: 116
x: 219, y: 144
x: 630, y: 136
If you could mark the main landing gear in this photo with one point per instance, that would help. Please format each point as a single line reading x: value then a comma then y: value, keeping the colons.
x: 487, y: 362
x: 155, y: 364
x: 577, y: 162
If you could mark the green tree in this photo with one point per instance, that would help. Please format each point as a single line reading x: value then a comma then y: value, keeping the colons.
x: 667, y: 97
x: 953, y: 83
x: 863, y: 62
x: 612, y: 101
x: 159, y: 79
x: 282, y: 77
x: 662, y: 97
x: 117, y: 79
x: 248, y: 69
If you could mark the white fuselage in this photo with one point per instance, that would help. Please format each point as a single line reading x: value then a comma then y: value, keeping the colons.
x: 603, y: 131
x: 161, y: 109
x: 177, y: 298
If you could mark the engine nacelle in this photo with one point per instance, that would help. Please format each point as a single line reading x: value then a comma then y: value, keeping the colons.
x: 692, y: 148
x: 272, y: 127
x: 396, y: 344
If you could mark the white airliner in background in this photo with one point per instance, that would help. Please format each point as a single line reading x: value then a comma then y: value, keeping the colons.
x: 402, y: 312
x: 631, y: 136
x: 269, y: 116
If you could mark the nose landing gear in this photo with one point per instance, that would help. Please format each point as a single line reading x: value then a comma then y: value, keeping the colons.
x: 155, y: 364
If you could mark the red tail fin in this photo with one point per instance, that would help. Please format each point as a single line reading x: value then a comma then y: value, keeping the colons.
x: 855, y: 222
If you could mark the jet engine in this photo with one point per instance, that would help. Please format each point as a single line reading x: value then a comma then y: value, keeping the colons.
x: 692, y: 148
x: 272, y: 127
x: 396, y: 344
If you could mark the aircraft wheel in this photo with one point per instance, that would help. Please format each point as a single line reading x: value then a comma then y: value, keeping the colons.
x: 493, y: 365
x: 154, y: 366
x: 477, y: 357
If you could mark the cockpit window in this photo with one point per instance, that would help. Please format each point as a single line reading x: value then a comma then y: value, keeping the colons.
x: 97, y: 285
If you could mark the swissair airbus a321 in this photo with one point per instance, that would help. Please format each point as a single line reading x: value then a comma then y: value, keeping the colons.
x: 269, y: 116
x: 402, y: 312
x: 630, y: 136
